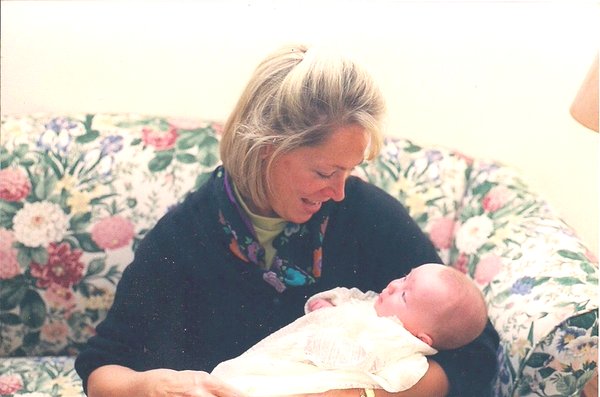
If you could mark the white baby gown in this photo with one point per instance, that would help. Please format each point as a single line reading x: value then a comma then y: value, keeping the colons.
x: 341, y: 347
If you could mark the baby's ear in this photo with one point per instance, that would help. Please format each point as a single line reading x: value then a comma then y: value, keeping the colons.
x: 425, y: 338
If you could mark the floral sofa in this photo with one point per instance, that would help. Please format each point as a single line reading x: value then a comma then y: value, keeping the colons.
x: 78, y: 192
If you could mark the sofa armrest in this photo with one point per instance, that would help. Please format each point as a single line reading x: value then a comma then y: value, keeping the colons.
x: 539, y: 281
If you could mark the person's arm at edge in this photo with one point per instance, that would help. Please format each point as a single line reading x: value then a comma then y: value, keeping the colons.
x: 116, y: 380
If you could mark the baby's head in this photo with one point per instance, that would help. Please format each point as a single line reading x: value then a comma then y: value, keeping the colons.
x: 437, y: 304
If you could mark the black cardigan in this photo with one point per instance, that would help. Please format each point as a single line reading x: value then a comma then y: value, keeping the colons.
x: 186, y: 302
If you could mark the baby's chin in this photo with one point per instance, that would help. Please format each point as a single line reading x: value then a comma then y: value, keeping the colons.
x: 379, y: 310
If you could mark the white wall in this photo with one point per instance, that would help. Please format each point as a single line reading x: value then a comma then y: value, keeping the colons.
x: 493, y: 79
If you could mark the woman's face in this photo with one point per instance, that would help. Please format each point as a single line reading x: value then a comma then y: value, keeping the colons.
x: 304, y: 178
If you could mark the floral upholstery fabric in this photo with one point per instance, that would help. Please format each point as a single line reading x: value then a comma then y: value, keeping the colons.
x: 39, y: 377
x: 540, y: 282
x: 78, y: 193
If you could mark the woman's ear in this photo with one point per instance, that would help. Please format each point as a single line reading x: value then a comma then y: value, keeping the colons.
x: 425, y: 338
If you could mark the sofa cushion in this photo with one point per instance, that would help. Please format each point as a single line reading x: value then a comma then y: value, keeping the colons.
x: 39, y: 377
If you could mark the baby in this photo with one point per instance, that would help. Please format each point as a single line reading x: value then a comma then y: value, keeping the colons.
x: 435, y: 303
x: 350, y: 339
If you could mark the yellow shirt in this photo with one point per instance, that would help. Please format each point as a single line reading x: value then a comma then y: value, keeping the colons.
x: 266, y: 229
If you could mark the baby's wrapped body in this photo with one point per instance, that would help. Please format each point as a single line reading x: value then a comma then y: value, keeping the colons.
x: 340, y: 347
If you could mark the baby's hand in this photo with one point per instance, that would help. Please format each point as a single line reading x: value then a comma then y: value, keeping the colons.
x: 317, y: 304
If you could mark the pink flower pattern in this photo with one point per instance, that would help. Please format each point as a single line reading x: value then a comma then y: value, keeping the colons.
x: 442, y: 232
x: 14, y: 184
x: 54, y: 332
x: 159, y: 140
x: 113, y: 232
x: 487, y: 268
x: 496, y: 198
x: 10, y: 384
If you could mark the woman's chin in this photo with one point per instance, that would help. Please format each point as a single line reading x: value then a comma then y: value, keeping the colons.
x: 299, y: 219
x: 302, y: 214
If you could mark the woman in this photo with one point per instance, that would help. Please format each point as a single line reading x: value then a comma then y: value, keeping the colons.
x: 280, y: 221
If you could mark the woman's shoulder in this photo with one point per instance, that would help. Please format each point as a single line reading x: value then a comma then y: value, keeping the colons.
x: 195, y: 205
x: 359, y: 190
x: 364, y: 198
x: 194, y: 217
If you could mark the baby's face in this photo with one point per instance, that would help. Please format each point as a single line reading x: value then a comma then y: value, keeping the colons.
x: 414, y: 299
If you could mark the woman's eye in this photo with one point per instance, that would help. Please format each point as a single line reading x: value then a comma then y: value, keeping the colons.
x: 324, y: 175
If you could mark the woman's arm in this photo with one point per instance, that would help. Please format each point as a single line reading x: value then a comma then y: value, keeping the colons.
x: 115, y: 381
x: 471, y: 368
x: 148, y: 307
x: 433, y: 384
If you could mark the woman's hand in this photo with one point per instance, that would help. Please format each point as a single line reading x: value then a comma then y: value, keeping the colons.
x: 167, y: 382
x: 114, y: 380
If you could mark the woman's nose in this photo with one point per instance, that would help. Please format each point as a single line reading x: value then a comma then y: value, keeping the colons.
x: 335, y: 189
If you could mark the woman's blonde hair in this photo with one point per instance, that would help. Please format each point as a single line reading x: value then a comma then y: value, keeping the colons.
x: 296, y: 97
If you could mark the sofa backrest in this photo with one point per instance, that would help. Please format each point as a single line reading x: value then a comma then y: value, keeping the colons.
x: 79, y: 192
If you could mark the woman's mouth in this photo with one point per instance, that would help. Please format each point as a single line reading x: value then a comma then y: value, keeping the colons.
x: 311, y: 203
x: 311, y: 206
